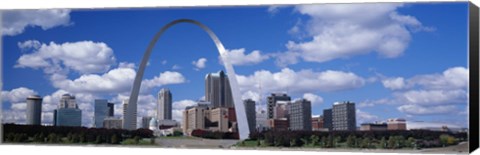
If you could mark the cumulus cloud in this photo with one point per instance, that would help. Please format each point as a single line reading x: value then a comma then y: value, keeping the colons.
x: 365, y: 28
x: 164, y: 78
x: 365, y: 117
x: 16, y: 21
x: 302, y: 81
x: 17, y: 95
x: 200, y: 63
x: 427, y: 94
x: 115, y: 81
x: 315, y: 99
x: 394, y: 83
x: 422, y: 110
x: 238, y: 57
x: 82, y: 56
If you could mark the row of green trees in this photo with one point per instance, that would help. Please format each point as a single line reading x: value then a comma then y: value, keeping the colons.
x: 69, y: 135
x: 358, y: 139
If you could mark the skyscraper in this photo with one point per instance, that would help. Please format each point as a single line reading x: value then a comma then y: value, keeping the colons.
x: 343, y: 116
x: 132, y: 124
x: 34, y: 110
x: 146, y: 122
x: 217, y: 90
x: 327, y: 119
x: 300, y: 115
x: 164, y: 108
x: 68, y: 113
x: 102, y: 110
x: 110, y: 107
x: 272, y: 102
x: 251, y: 115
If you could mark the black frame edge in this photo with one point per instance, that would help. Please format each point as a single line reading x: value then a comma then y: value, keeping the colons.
x: 473, y: 42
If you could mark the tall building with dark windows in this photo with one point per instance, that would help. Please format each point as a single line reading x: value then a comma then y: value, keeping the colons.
x: 111, y: 109
x: 164, y: 107
x: 343, y: 116
x: 217, y: 90
x: 34, y: 110
x: 300, y: 115
x: 272, y: 102
x: 251, y: 114
x: 68, y: 113
x: 103, y: 109
x: 327, y: 119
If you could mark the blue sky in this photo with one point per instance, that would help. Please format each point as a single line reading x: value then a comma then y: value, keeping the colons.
x: 391, y: 59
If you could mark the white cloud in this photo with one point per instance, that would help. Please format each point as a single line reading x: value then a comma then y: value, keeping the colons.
x: 118, y: 80
x: 238, y: 57
x: 176, y: 67
x: 365, y: 28
x: 394, y: 83
x: 15, y: 21
x: 200, y: 63
x: 315, y: 99
x: 164, y: 78
x: 82, y: 56
x: 114, y: 81
x: 364, y: 117
x: 17, y: 95
x: 432, y: 97
x: 255, y: 96
x: 421, y: 110
x: 302, y: 81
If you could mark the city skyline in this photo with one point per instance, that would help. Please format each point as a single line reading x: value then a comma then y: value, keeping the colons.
x: 368, y: 74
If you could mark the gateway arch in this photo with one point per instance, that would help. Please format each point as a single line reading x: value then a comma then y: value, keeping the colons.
x: 130, y: 121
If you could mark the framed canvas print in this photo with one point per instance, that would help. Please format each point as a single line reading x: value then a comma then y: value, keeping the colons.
x: 347, y: 77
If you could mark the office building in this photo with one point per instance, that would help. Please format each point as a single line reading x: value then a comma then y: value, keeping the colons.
x: 146, y: 122
x: 34, y: 110
x: 217, y: 90
x: 317, y: 124
x: 396, y: 124
x: 300, y: 115
x: 217, y: 119
x: 272, y: 102
x: 261, y: 120
x: 281, y: 124
x: 373, y: 127
x: 327, y: 119
x: 111, y: 109
x: 343, y: 116
x: 280, y: 110
x: 103, y: 109
x: 112, y: 123
x: 164, y: 107
x: 250, y: 112
x: 68, y: 113
x: 130, y: 125
x: 194, y: 118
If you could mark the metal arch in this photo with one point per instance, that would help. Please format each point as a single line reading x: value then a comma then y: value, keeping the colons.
x: 239, y: 107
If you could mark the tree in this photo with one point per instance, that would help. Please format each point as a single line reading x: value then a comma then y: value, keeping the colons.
x: 351, y: 141
x: 410, y: 142
x: 98, y: 139
x: 323, y: 142
x: 383, y: 143
x: 443, y: 139
x: 315, y: 140
x: 392, y: 142
x: 304, y: 141
x: 137, y: 139
x: 365, y: 142
x: 114, y: 139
